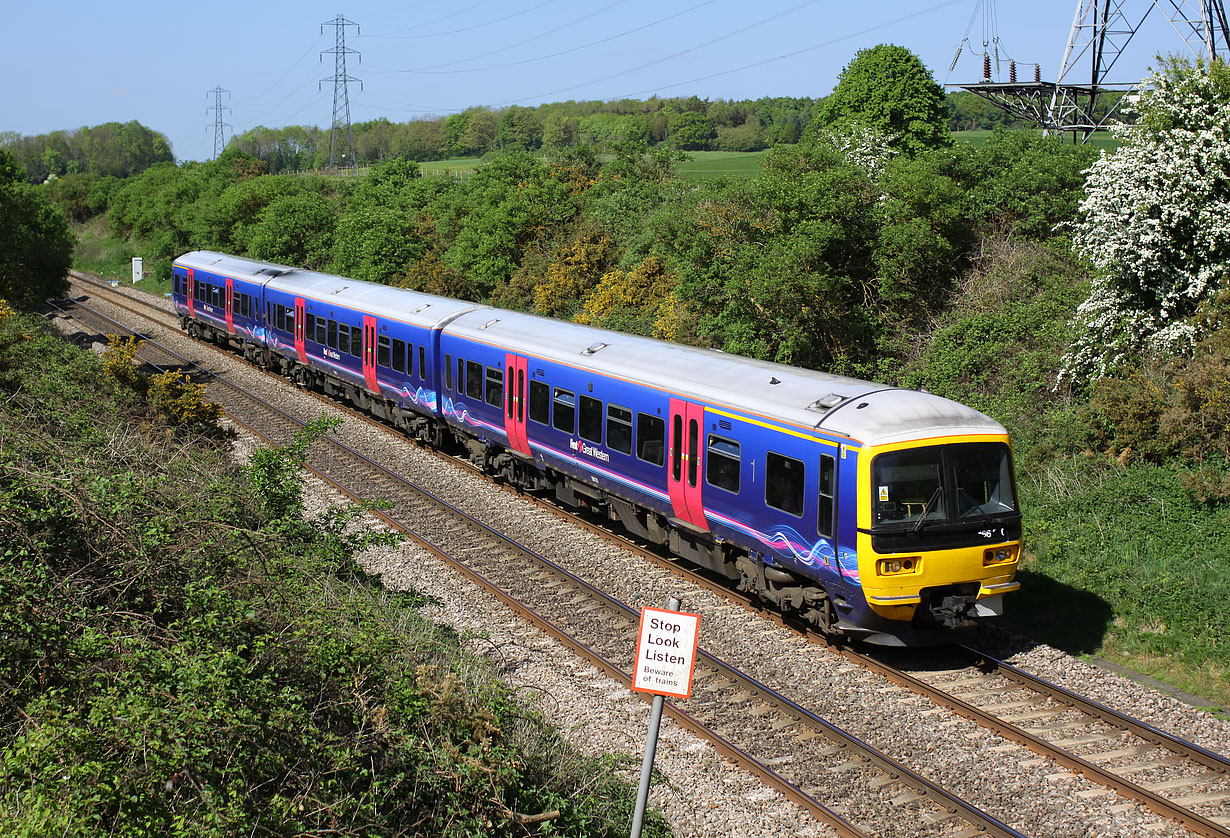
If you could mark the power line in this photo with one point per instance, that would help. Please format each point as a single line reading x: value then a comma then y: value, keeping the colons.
x: 219, y: 126
x: 341, y: 93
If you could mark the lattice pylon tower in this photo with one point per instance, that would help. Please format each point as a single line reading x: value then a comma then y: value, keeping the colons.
x: 219, y: 126
x: 1101, y: 31
x: 341, y: 93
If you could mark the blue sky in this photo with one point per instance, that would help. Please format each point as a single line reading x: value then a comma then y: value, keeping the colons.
x: 72, y: 63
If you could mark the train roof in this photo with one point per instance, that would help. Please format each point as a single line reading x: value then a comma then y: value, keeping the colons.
x: 427, y: 310
x: 869, y: 413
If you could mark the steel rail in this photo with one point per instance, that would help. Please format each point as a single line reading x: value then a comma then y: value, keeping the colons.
x: 1152, y: 800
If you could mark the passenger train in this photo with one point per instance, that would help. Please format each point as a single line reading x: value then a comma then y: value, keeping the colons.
x: 870, y: 511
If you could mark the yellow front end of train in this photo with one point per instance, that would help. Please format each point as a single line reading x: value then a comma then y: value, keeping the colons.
x: 939, y: 529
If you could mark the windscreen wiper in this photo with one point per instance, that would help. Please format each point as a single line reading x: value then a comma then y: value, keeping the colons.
x: 927, y: 508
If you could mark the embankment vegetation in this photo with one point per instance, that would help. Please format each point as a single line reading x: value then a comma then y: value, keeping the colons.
x: 185, y: 651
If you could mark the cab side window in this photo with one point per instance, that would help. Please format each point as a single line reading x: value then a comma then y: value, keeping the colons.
x: 828, y: 495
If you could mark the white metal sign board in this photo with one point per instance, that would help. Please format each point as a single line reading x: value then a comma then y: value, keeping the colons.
x: 666, y: 652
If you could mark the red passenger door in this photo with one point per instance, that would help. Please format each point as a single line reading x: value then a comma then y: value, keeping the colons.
x: 515, y: 374
x: 369, y: 354
x: 230, y: 305
x: 686, y: 460
x: 191, y: 293
x: 300, y: 324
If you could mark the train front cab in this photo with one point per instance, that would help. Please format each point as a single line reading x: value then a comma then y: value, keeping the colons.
x: 939, y: 537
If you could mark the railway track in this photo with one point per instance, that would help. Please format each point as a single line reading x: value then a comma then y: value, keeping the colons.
x: 788, y: 747
x: 1175, y: 779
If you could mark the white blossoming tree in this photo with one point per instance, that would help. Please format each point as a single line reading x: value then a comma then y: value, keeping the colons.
x: 1156, y: 222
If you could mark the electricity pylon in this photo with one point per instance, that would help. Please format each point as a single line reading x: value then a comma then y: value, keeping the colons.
x: 341, y: 94
x: 1101, y: 31
x: 219, y: 126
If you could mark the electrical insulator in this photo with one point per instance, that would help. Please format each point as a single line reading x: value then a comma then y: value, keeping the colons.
x: 1012, y: 71
x: 1037, y: 74
x: 986, y: 66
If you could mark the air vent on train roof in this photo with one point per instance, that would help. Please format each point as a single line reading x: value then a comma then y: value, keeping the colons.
x: 340, y: 290
x: 421, y: 308
x: 826, y: 403
x: 489, y: 323
x: 597, y: 347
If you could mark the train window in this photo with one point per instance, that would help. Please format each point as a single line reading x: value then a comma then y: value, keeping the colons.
x: 290, y: 320
x: 399, y: 355
x: 677, y: 450
x: 423, y: 363
x: 619, y: 429
x: 332, y: 342
x: 474, y: 380
x: 322, y: 326
x: 693, y: 456
x: 309, y: 326
x: 591, y: 419
x: 565, y: 418
x: 382, y: 352
x: 343, y: 338
x: 521, y: 396
x: 215, y: 295
x: 495, y: 386
x: 279, y: 316
x: 540, y: 402
x: 448, y: 372
x: 783, y: 487
x: 651, y: 438
x: 828, y: 491
x: 722, y: 464
x: 356, y: 341
x: 461, y: 375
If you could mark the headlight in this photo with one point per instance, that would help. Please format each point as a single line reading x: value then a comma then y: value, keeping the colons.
x: 888, y: 567
x: 1000, y: 555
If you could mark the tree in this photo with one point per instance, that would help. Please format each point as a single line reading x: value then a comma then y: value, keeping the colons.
x: 1156, y: 222
x: 890, y: 89
x: 36, y: 247
x: 691, y: 131
x: 519, y: 128
x: 296, y: 230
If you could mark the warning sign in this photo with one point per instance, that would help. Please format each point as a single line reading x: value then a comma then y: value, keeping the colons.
x: 666, y: 652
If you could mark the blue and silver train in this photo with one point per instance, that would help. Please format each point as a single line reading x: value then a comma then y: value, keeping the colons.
x: 870, y: 511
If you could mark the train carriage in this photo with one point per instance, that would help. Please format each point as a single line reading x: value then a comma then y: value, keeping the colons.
x: 759, y: 471
x: 867, y: 510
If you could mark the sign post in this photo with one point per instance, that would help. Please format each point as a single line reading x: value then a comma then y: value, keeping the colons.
x: 138, y: 269
x: 665, y: 660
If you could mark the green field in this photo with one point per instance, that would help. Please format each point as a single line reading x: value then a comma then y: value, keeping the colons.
x: 461, y: 167
x: 703, y: 164
x: 1101, y: 139
x: 707, y: 164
